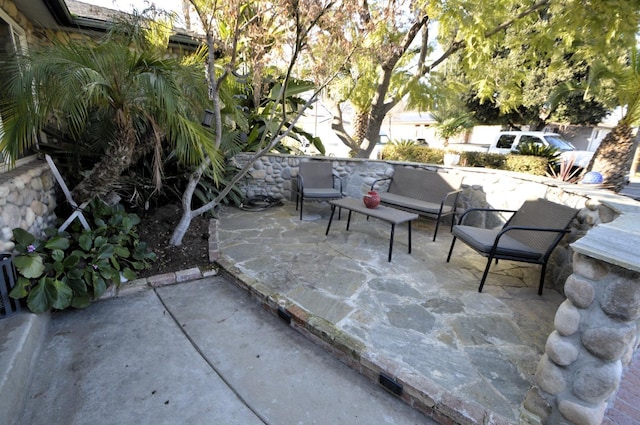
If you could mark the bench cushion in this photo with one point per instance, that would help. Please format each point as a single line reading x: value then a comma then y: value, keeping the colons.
x: 413, y: 204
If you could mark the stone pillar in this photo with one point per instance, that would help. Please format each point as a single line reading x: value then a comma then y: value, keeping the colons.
x: 596, y: 330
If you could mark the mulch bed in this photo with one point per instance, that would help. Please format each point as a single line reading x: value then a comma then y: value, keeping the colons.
x: 156, y: 229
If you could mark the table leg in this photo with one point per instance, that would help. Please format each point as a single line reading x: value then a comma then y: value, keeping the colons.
x: 393, y: 228
x: 333, y: 210
x: 409, y: 236
x: 349, y: 220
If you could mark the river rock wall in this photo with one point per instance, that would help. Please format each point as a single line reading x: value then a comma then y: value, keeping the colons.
x: 27, y: 201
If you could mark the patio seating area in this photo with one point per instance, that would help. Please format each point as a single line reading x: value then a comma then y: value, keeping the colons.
x: 418, y: 320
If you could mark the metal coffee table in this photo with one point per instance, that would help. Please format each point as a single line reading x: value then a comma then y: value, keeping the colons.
x: 388, y: 214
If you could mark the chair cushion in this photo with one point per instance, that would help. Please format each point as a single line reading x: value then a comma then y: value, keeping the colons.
x: 321, y: 193
x: 482, y: 241
x: 413, y: 204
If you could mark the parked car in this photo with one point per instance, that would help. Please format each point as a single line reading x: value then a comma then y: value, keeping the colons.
x: 508, y: 141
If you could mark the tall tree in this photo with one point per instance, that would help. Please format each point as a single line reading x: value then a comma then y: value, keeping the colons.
x: 388, y: 35
x: 382, y: 36
x: 614, y: 156
x: 252, y: 36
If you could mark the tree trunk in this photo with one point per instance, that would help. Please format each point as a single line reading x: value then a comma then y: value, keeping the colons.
x: 105, y: 174
x: 635, y: 164
x: 181, y: 228
x: 337, y: 125
x: 360, y: 122
x: 614, y: 156
x: 187, y: 213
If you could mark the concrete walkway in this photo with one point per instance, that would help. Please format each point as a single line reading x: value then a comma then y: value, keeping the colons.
x: 201, y: 352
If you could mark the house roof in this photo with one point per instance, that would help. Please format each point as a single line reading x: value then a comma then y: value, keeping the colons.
x: 45, y: 13
x: 83, y: 16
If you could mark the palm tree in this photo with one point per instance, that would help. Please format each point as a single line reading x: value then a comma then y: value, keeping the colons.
x: 614, y: 156
x: 451, y: 123
x: 139, y: 99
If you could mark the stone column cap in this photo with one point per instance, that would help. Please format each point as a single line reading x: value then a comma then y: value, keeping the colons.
x: 616, y: 242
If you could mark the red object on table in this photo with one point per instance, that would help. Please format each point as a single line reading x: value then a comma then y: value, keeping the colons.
x: 371, y: 199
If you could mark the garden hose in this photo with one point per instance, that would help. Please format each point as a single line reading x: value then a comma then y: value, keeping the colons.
x: 260, y: 203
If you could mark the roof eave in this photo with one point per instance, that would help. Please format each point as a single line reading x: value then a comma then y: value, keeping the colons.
x: 63, y: 17
x: 59, y: 11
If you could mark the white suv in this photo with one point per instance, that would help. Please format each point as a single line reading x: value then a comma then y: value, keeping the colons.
x: 508, y: 141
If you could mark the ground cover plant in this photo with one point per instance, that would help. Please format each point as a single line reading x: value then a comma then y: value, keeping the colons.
x: 72, y: 268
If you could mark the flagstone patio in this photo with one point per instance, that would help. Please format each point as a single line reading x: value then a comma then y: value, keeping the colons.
x: 458, y: 354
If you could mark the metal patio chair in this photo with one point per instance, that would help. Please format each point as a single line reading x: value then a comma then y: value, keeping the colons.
x: 530, y: 235
x: 317, y: 181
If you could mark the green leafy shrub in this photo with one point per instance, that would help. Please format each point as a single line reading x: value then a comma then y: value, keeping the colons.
x: 494, y: 160
x: 482, y: 159
x: 209, y: 188
x: 536, y: 165
x: 70, y: 269
x: 532, y: 149
x: 399, y: 151
x: 471, y: 159
x: 425, y: 154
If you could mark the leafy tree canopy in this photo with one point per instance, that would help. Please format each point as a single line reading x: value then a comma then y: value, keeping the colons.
x: 498, y: 45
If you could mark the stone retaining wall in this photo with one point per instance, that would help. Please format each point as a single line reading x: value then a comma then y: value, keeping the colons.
x: 596, y: 267
x: 27, y: 201
x: 274, y: 175
x: 597, y: 330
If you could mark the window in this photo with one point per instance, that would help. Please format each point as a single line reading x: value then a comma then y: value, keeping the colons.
x: 11, y: 38
x: 559, y: 143
x: 12, y: 41
x: 505, y: 141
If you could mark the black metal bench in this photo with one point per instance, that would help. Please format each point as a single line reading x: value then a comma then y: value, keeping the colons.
x: 426, y: 193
